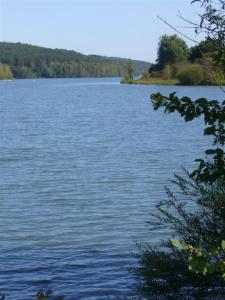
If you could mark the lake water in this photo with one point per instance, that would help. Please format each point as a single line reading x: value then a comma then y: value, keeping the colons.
x: 82, y: 163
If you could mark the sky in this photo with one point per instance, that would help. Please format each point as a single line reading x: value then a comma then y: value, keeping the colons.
x: 123, y: 28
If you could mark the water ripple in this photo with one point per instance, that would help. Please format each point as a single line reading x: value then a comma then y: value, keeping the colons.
x: 82, y: 163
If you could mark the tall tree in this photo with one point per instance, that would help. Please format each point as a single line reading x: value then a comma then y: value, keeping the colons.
x: 171, y: 49
x: 129, y: 70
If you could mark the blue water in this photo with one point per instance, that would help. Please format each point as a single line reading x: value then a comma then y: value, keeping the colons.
x: 82, y: 163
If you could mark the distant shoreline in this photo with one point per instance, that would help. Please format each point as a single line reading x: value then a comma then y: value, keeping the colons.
x: 19, y: 60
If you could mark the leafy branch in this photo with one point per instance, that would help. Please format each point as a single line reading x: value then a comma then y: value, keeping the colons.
x: 213, y: 113
x: 201, y: 261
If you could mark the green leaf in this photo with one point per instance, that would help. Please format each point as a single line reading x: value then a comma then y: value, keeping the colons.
x: 210, y: 151
x: 198, y: 264
x: 209, y: 130
x: 223, y: 245
x: 213, y: 251
x: 223, y: 275
x: 179, y: 244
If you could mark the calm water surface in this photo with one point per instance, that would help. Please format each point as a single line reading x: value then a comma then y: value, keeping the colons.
x: 82, y: 163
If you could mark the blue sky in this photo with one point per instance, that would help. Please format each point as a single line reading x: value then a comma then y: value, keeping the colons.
x: 125, y: 28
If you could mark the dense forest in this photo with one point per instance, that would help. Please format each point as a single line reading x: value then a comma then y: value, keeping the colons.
x: 19, y: 60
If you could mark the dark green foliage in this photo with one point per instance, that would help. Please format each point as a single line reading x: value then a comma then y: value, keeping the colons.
x: 198, y: 214
x: 129, y: 70
x: 24, y: 72
x: 205, y: 48
x: 165, y: 275
x: 191, y: 75
x: 28, y: 61
x: 171, y: 50
x: 195, y: 212
x: 212, y: 23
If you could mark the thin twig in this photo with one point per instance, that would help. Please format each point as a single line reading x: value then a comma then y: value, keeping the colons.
x: 179, y: 32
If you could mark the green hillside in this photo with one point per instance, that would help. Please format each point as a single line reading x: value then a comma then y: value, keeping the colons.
x: 19, y: 60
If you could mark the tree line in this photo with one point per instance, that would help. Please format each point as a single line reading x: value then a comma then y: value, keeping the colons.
x: 19, y: 60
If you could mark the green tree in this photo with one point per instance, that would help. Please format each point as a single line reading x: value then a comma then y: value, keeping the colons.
x: 24, y: 72
x: 129, y: 70
x: 204, y: 49
x: 5, y: 72
x: 212, y: 23
x: 171, y: 49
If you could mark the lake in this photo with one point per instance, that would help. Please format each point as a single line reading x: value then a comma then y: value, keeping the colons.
x: 82, y: 164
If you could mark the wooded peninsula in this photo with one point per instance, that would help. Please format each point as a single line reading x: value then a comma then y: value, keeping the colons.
x: 176, y: 63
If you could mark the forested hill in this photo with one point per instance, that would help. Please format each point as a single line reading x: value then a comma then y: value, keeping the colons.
x: 26, y: 61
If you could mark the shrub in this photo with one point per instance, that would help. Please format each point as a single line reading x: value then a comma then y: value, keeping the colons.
x: 163, y: 272
x: 167, y: 72
x: 217, y: 77
x: 191, y: 75
x: 155, y: 74
x: 146, y: 75
x: 5, y: 72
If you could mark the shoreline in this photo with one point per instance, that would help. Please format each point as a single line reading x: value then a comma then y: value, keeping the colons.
x: 159, y: 81
x: 153, y: 81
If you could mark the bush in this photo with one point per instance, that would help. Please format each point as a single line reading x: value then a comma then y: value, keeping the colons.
x: 167, y: 72
x: 155, y: 74
x: 146, y: 75
x: 164, y: 272
x: 217, y: 77
x: 5, y: 72
x: 191, y: 75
